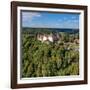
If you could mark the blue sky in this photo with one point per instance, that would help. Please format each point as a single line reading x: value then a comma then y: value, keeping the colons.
x: 50, y: 20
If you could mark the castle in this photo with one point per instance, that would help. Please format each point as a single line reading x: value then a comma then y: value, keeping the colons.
x: 48, y: 37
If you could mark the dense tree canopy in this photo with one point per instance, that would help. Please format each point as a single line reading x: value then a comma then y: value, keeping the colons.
x: 54, y: 59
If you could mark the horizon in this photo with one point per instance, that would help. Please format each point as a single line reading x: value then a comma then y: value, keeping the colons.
x: 50, y: 28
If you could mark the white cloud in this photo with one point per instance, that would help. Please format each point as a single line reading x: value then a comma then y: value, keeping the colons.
x: 60, y: 20
x: 30, y: 15
x: 65, y: 18
x: 73, y: 17
x: 67, y: 24
x: 75, y: 21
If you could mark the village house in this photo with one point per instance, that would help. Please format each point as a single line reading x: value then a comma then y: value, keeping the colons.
x: 48, y: 37
x: 76, y: 41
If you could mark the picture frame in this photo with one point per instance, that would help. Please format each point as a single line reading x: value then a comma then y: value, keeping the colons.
x: 19, y: 13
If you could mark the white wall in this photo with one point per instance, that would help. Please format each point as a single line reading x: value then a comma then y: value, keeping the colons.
x: 5, y: 44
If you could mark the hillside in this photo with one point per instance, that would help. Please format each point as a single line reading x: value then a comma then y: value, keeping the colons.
x: 60, y: 58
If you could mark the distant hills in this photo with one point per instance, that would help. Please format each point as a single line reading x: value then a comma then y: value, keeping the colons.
x: 49, y: 30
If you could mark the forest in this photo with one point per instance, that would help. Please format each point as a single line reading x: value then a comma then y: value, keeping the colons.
x: 59, y: 58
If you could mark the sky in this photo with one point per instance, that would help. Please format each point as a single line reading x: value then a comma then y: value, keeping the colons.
x: 50, y: 20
